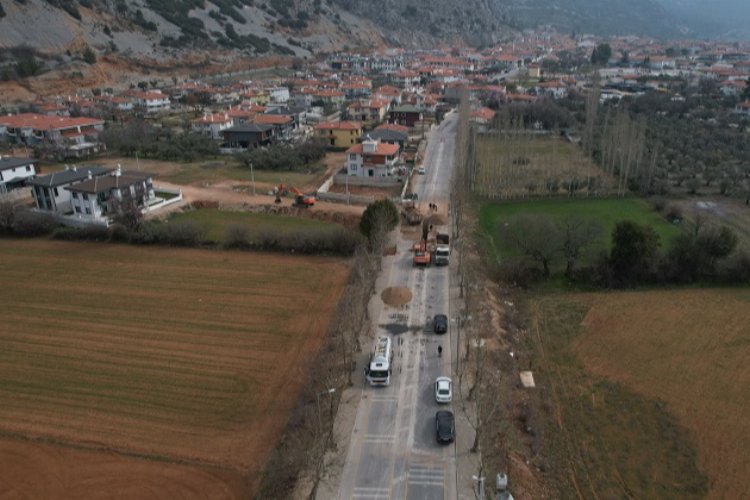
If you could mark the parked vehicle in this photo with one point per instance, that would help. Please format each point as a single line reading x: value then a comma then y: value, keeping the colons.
x: 445, y: 427
x: 378, y: 371
x: 442, y: 255
x: 440, y: 323
x: 421, y: 170
x: 443, y: 390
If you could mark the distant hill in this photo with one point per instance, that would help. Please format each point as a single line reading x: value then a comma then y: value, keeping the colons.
x: 483, y: 21
x: 728, y: 19
x: 160, y: 28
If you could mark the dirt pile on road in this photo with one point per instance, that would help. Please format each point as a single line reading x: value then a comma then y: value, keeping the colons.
x: 396, y: 296
x: 437, y: 220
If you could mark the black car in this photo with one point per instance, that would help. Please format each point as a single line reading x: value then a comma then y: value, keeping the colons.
x: 440, y: 323
x: 445, y: 427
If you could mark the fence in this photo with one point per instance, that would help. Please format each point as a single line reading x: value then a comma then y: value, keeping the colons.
x: 165, y: 201
x: 354, y: 180
x: 345, y: 198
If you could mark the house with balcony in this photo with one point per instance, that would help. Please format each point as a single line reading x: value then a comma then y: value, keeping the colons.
x: 406, y: 114
x: 50, y: 193
x: 152, y: 101
x: 283, y: 125
x: 59, y: 136
x: 14, y: 172
x: 371, y: 158
x: 247, y: 136
x: 371, y: 110
x: 103, y: 196
x: 339, y: 134
x: 212, y: 124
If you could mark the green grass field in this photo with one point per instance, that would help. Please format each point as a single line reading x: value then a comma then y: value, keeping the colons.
x: 217, y: 222
x: 607, y: 211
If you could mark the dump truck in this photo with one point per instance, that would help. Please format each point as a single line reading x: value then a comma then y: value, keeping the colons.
x: 442, y: 252
x: 422, y: 254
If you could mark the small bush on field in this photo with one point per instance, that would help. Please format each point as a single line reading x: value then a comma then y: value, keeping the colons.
x: 8, y: 211
x: 119, y: 233
x: 91, y: 233
x: 26, y: 223
x: 658, y: 204
x: 674, y: 213
x: 238, y: 236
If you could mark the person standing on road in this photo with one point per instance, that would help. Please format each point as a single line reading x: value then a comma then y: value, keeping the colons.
x: 440, y: 351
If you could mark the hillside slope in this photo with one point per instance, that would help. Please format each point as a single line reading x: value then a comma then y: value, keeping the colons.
x: 163, y: 28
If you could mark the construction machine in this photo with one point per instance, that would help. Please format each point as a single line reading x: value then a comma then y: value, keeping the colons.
x: 300, y: 199
x: 411, y: 213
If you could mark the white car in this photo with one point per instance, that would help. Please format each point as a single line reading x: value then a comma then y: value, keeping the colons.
x: 421, y: 170
x: 443, y: 390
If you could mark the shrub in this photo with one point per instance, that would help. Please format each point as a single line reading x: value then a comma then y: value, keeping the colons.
x: 238, y: 236
x: 184, y: 233
x: 88, y: 56
x: 88, y: 233
x: 27, y: 223
x: 8, y: 211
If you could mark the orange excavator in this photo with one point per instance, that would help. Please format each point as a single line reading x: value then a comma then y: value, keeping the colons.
x: 300, y: 198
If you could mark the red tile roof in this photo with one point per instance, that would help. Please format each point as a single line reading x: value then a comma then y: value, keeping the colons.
x: 382, y: 149
x: 338, y: 125
x: 272, y: 120
x: 44, y: 122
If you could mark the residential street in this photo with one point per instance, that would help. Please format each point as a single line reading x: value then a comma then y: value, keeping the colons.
x: 392, y: 450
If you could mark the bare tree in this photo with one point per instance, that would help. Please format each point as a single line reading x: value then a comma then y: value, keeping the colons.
x: 535, y: 236
x: 577, y: 235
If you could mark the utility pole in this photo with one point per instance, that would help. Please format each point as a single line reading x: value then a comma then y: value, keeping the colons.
x: 327, y: 391
x: 252, y: 177
x: 480, y: 479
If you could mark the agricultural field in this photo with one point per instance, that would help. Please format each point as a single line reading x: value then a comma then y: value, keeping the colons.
x: 687, y: 349
x: 524, y: 165
x: 606, y: 211
x: 218, y: 222
x: 612, y: 409
x: 141, y: 372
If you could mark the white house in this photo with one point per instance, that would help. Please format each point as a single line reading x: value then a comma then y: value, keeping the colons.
x: 371, y: 158
x: 279, y: 95
x: 101, y: 197
x: 48, y: 190
x: 14, y: 172
x: 153, y: 101
x: 743, y: 108
x: 211, y: 125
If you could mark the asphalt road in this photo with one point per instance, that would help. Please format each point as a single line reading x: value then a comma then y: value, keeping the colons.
x: 393, y: 452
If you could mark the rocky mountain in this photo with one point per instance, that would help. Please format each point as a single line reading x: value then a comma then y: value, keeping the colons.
x: 482, y: 21
x: 163, y: 28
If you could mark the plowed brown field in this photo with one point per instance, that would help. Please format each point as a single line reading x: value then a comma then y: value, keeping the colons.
x: 136, y: 372
x: 689, y: 349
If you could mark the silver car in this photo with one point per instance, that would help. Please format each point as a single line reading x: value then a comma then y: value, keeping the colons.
x: 443, y: 390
